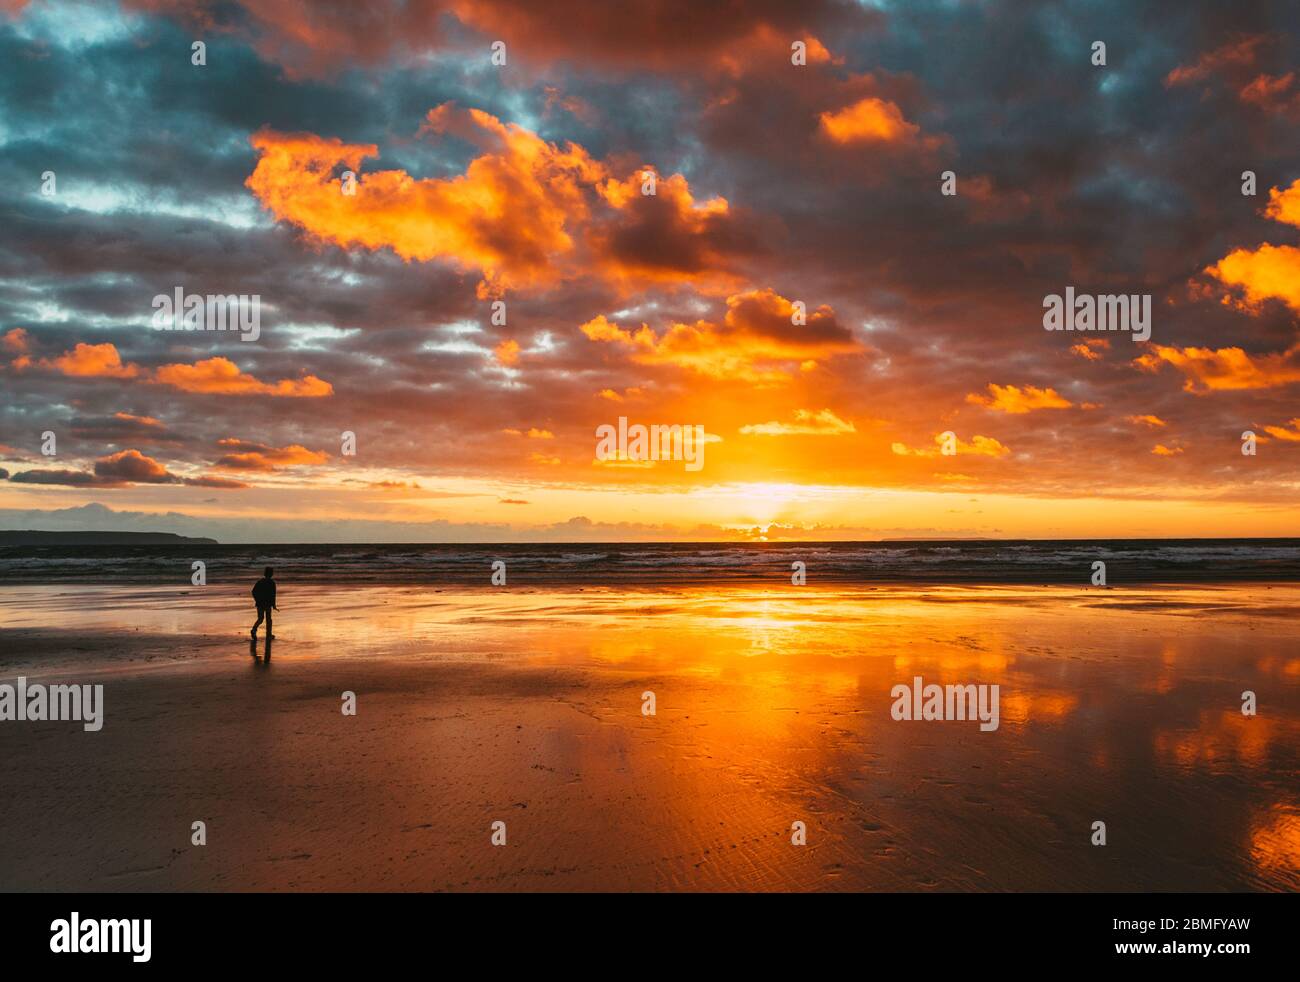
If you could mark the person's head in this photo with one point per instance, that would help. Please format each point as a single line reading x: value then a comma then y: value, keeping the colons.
x: 269, y: 572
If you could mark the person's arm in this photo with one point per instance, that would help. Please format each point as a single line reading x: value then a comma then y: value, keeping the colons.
x: 273, y: 596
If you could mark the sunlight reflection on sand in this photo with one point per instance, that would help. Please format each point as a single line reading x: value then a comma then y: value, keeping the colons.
x: 1122, y: 706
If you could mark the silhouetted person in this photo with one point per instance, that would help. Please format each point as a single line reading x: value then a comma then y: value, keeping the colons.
x: 264, y: 597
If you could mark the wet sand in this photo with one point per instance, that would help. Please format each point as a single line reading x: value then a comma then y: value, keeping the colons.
x: 773, y: 706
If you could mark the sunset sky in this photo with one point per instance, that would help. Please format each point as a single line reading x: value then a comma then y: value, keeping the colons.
x: 776, y: 183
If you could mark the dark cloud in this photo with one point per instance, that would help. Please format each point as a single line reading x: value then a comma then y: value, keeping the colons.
x: 68, y: 477
x: 654, y: 33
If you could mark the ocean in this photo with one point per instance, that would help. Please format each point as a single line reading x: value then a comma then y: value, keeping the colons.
x: 1060, y: 562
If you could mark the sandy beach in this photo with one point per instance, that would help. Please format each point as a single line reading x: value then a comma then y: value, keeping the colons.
x: 772, y: 707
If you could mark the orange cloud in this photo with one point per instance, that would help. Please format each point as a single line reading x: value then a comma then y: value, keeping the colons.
x: 133, y: 466
x: 221, y: 376
x: 1268, y: 272
x: 15, y: 340
x: 1291, y: 435
x: 92, y: 361
x: 142, y: 420
x: 739, y: 57
x: 261, y: 457
x: 1270, y: 92
x: 1091, y: 349
x: 1284, y: 206
x: 1012, y: 399
x: 213, y: 375
x: 1147, y: 420
x: 818, y: 54
x: 612, y: 396
x: 506, y: 216
x: 526, y: 213
x: 1233, y: 54
x: 507, y: 352
x: 868, y: 120
x: 1160, y: 450
x: 755, y: 342
x: 208, y: 481
x: 1225, y: 368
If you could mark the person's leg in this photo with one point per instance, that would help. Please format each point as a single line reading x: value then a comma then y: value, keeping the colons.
x: 260, y: 614
x: 269, y: 632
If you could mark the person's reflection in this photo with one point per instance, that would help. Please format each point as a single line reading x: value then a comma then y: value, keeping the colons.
x: 266, y: 651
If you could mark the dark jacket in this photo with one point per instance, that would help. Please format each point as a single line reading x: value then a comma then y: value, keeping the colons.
x: 264, y: 592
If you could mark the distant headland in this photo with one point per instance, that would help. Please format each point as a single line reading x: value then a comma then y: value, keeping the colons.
x: 35, y: 537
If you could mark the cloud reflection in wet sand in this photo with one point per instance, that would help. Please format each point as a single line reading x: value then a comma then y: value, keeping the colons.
x: 773, y: 706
